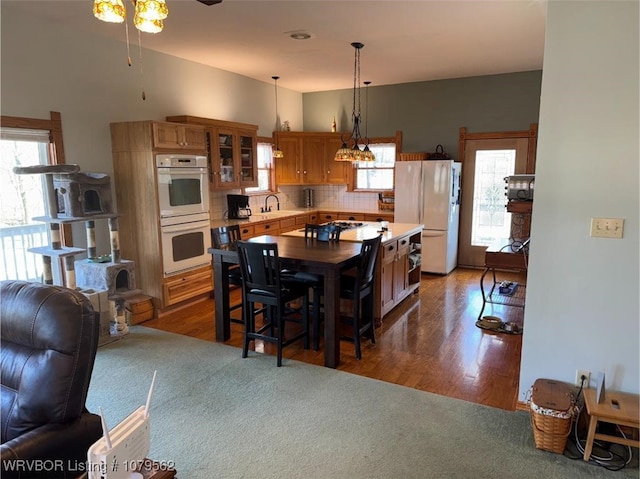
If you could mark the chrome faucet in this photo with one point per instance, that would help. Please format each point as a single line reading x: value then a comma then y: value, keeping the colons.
x: 267, y: 209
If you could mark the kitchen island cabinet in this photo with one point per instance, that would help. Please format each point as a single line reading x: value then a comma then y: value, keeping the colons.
x: 396, y: 276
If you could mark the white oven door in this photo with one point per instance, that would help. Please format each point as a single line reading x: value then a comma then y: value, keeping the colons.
x: 182, y: 191
x: 185, y: 245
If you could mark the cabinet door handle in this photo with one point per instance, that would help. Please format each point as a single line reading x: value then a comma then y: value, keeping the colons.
x: 304, y: 172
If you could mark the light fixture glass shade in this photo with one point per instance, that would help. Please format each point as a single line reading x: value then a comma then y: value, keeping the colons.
x: 367, y: 154
x: 152, y: 9
x: 278, y: 154
x: 111, y: 11
x: 148, y: 26
x: 344, y: 153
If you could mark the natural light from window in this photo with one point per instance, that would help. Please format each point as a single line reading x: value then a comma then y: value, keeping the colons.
x: 377, y: 175
x: 490, y: 220
x: 265, y: 160
x: 21, y: 199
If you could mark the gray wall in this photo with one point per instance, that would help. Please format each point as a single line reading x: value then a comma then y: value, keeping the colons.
x: 582, y: 297
x: 431, y: 113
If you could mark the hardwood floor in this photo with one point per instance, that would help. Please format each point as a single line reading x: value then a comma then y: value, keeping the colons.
x: 429, y: 342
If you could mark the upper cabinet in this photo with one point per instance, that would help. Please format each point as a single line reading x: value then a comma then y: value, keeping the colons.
x: 308, y: 159
x: 175, y: 136
x: 233, y: 158
x: 231, y: 149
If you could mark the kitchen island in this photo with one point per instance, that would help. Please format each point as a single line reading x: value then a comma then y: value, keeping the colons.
x: 398, y: 265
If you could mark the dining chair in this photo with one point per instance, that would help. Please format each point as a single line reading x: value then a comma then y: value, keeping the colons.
x: 221, y: 237
x: 322, y: 232
x: 315, y: 281
x: 262, y: 284
x: 358, y: 288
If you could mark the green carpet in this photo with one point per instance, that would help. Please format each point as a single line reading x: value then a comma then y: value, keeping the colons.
x: 216, y: 415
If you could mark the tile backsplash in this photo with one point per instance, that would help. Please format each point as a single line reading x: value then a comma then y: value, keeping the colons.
x: 334, y: 197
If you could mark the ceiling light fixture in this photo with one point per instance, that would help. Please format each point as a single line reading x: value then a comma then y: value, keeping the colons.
x: 277, y: 152
x: 350, y: 150
x: 148, y: 17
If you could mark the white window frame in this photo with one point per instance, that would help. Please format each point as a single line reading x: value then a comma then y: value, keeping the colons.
x: 264, y: 154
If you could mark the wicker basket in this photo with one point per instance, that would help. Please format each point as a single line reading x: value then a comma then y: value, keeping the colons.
x: 413, y: 156
x: 551, y: 413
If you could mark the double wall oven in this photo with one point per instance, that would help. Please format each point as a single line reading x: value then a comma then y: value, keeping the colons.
x: 183, y: 198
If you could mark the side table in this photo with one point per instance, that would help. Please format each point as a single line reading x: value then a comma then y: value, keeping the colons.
x: 616, y: 408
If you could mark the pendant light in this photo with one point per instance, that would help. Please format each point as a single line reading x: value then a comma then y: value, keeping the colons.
x: 367, y: 153
x: 148, y: 16
x: 353, y: 153
x: 277, y: 152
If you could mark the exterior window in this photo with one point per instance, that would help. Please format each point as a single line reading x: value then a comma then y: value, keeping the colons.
x: 22, y: 199
x: 379, y: 174
x: 265, y: 160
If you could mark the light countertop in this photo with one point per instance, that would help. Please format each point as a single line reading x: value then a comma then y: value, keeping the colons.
x: 370, y: 230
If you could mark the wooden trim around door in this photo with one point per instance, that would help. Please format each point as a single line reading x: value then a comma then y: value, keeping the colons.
x: 531, y: 134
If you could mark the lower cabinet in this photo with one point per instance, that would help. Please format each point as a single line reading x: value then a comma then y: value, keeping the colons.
x: 188, y: 285
x: 396, y: 276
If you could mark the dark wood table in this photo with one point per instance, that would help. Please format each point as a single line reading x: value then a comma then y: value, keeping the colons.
x: 329, y: 259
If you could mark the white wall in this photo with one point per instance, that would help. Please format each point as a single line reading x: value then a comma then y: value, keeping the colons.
x: 582, y: 300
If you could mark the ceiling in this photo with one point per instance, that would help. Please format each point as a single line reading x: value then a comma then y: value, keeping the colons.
x: 405, y: 41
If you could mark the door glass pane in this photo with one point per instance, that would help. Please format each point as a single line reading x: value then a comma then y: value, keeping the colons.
x: 490, y: 219
x: 22, y: 199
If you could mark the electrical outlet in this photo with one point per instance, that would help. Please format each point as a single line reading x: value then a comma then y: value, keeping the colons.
x: 579, y: 374
x: 607, y: 227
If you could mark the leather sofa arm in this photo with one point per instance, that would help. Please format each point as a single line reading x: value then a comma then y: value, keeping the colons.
x: 52, y: 450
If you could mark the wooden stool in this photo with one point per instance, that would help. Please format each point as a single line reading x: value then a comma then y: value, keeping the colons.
x: 617, y: 408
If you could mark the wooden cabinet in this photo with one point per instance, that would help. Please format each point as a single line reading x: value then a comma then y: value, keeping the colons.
x: 324, y: 216
x: 336, y: 172
x: 231, y: 149
x: 134, y: 149
x: 309, y: 159
x: 247, y: 231
x: 379, y: 217
x: 288, y: 224
x: 351, y: 216
x: 397, y: 275
x: 176, y: 136
x: 185, y: 286
x: 267, y: 228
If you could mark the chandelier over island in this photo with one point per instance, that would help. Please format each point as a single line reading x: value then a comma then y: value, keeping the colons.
x: 350, y: 149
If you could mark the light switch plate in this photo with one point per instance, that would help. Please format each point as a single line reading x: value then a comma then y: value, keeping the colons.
x: 607, y: 227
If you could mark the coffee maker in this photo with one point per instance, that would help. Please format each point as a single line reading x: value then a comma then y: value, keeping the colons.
x: 238, y: 207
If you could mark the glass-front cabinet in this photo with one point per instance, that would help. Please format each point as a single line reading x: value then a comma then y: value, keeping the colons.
x: 233, y: 158
x: 232, y: 150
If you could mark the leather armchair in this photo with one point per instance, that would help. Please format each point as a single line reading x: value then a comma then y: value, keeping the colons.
x: 49, y: 342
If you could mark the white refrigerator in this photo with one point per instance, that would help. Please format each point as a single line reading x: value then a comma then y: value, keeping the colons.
x: 428, y: 193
